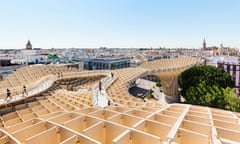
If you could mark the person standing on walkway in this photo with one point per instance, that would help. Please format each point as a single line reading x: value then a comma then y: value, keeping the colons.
x: 109, y: 102
x: 100, y: 86
x: 24, y: 91
x: 112, y: 74
x: 8, y: 94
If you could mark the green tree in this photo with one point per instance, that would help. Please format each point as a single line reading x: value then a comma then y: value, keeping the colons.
x: 232, y: 102
x: 209, y: 86
x: 205, y: 95
x: 159, y: 84
x: 149, y: 94
x: 52, y: 56
x: 209, y: 74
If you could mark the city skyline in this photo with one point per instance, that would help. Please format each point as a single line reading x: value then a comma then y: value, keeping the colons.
x: 119, y: 24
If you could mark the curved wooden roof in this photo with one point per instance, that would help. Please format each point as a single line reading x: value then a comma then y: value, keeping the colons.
x: 68, y: 117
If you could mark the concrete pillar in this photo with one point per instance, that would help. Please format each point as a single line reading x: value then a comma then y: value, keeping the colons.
x: 170, y: 85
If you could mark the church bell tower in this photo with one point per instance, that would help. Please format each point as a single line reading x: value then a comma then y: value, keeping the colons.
x: 28, y: 45
x: 204, y: 45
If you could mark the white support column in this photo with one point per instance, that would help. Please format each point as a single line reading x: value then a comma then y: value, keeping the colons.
x: 177, y: 125
x: 213, y: 129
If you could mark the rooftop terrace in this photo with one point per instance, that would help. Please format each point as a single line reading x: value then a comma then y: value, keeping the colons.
x: 65, y: 111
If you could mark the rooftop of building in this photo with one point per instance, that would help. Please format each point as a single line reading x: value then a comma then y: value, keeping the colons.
x: 61, y: 107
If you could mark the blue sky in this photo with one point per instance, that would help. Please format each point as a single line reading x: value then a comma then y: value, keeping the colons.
x: 119, y: 23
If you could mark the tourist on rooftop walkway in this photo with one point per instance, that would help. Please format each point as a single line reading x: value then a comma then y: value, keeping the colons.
x: 100, y: 85
x: 109, y: 102
x: 24, y: 91
x: 112, y: 74
x: 8, y: 94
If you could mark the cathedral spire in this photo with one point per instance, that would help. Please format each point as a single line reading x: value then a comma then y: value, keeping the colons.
x: 29, y: 45
x: 204, y: 45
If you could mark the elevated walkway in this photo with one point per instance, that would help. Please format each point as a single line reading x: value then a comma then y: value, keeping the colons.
x: 100, y: 97
x: 44, y: 84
